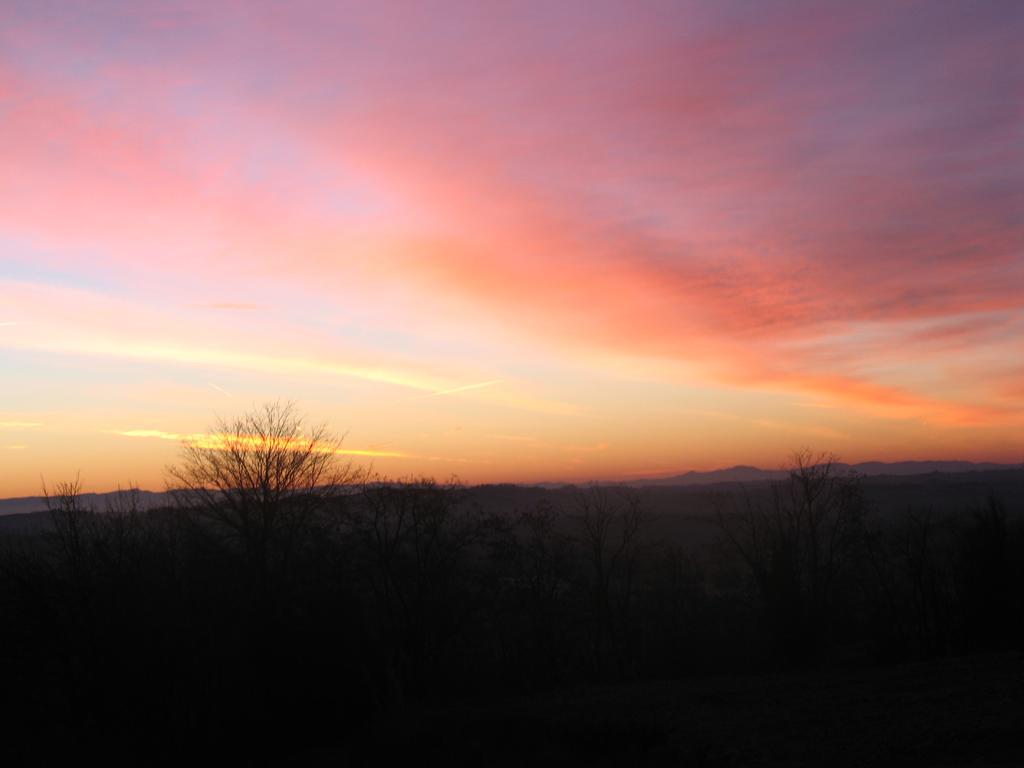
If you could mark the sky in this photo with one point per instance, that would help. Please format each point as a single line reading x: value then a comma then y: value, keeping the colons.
x: 513, y: 241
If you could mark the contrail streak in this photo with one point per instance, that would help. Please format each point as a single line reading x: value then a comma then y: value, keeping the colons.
x: 454, y: 390
x: 220, y: 389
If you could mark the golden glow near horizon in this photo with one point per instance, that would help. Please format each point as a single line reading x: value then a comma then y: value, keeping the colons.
x: 584, y: 242
x: 221, y: 442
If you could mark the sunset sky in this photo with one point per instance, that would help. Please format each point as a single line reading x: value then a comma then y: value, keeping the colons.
x: 511, y: 241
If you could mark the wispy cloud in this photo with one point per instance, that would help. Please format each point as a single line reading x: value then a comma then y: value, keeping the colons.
x: 595, y: 448
x: 373, y: 453
x: 20, y: 424
x: 826, y: 433
x: 515, y: 438
x: 248, y: 442
x: 156, y: 433
x: 457, y: 460
x: 230, y: 306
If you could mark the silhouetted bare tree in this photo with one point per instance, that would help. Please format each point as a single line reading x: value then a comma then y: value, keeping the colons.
x: 798, y: 544
x: 262, y: 477
x: 419, y: 546
x: 72, y: 522
x: 610, y: 521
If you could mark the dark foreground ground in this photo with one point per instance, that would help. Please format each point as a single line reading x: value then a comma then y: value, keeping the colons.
x: 951, y: 712
x: 945, y: 713
x: 406, y: 623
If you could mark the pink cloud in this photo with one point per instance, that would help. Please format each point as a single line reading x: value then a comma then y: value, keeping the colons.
x: 745, y: 191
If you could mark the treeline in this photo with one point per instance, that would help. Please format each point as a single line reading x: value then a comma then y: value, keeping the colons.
x: 259, y: 626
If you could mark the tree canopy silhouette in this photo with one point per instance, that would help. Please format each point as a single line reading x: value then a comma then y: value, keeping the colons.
x: 262, y: 477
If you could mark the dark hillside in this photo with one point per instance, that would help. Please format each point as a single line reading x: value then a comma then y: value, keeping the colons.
x: 821, y: 619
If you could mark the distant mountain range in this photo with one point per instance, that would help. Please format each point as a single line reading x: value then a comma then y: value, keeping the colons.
x: 744, y: 474
x: 738, y: 474
x: 24, y: 505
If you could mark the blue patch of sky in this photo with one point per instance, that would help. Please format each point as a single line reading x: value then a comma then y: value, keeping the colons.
x: 86, y: 38
x: 24, y: 262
